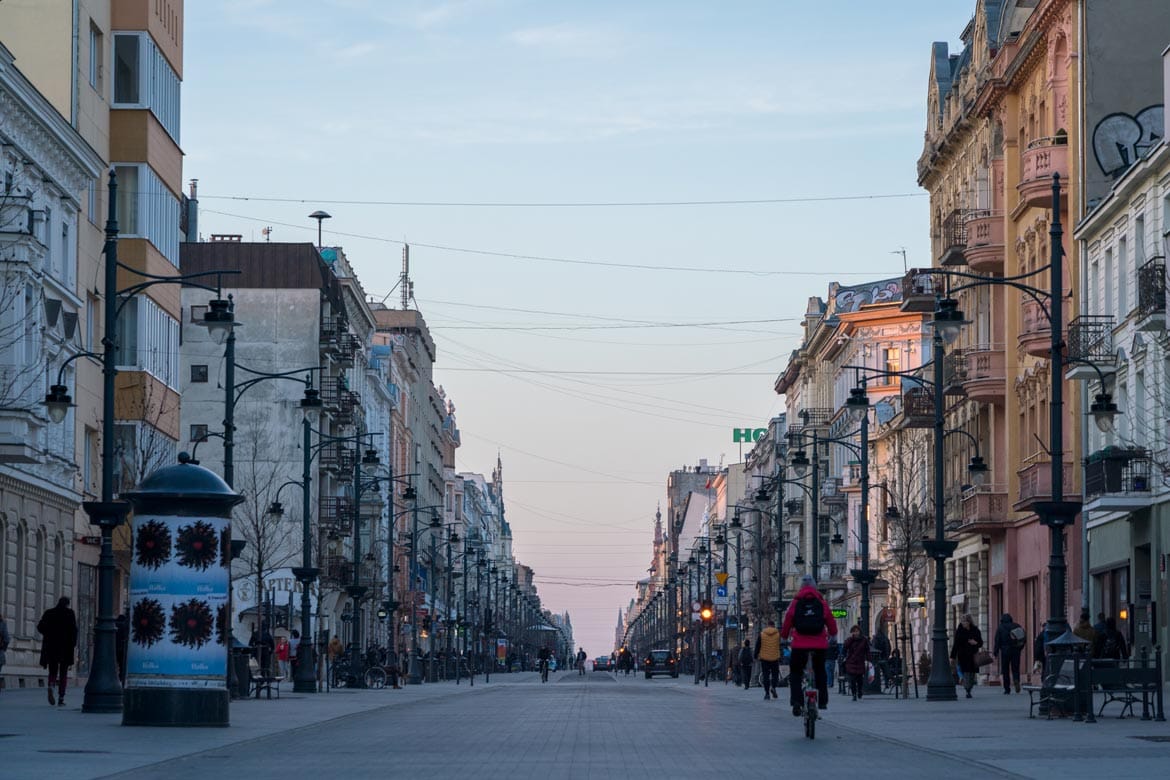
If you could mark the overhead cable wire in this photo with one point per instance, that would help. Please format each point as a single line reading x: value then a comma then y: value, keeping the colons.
x: 570, y: 204
x: 562, y: 260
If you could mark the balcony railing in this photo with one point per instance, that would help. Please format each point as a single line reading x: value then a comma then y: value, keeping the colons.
x: 337, y: 457
x: 954, y: 371
x: 1042, y: 158
x: 332, y: 329
x: 1036, y: 484
x: 919, y: 291
x: 1117, y: 471
x: 1151, y: 280
x: 917, y: 408
x: 983, y: 507
x: 1090, y: 338
x: 954, y: 238
x: 985, y: 247
x: 336, y: 569
x: 335, y: 515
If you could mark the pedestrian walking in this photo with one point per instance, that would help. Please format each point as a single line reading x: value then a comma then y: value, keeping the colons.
x: 856, y: 657
x: 1010, y: 641
x: 5, y: 638
x: 1111, y: 642
x: 967, y: 642
x: 1084, y: 629
x: 768, y: 651
x: 581, y: 656
x: 746, y: 659
x: 58, y: 630
x: 282, y: 651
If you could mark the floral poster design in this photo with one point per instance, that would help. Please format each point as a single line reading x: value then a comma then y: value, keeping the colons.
x: 178, y: 602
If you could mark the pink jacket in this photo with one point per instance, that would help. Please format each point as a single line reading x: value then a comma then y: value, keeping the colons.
x: 799, y: 640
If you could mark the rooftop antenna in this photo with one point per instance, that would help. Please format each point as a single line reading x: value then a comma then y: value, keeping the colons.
x: 902, y: 251
x: 405, y: 280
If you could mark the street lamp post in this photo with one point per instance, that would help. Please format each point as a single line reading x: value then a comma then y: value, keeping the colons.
x: 103, y: 689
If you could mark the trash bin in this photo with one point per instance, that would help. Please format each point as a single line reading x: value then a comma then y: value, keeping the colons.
x: 242, y: 676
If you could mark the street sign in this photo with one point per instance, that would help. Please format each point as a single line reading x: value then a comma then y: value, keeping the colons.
x: 721, y: 577
x: 721, y: 595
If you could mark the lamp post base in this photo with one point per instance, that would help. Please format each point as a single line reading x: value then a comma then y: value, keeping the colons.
x: 305, y: 679
x: 414, y: 676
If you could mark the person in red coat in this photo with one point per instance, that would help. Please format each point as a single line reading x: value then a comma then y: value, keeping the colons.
x: 809, y: 623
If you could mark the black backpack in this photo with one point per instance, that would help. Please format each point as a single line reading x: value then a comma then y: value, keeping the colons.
x: 1110, y: 648
x: 809, y: 616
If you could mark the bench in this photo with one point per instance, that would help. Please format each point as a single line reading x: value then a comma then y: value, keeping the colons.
x: 1127, y: 682
x: 1057, y: 691
x: 262, y: 681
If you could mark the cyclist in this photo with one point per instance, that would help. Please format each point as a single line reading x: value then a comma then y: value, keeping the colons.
x: 544, y: 655
x: 809, y: 622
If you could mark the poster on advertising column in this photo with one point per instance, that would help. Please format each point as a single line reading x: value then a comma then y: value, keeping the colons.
x: 178, y: 602
x: 502, y: 650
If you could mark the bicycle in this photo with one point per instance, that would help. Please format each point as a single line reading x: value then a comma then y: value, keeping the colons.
x: 810, y: 710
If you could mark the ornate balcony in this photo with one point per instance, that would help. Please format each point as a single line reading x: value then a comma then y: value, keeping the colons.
x: 955, y: 372
x: 983, y: 508
x: 1036, y: 484
x: 986, y: 380
x: 335, y: 515
x: 1042, y: 158
x: 336, y: 570
x: 1090, y: 341
x: 1035, y: 333
x: 919, y: 291
x: 954, y: 238
x: 1118, y: 480
x: 917, y: 408
x: 1151, y: 284
x: 985, y: 248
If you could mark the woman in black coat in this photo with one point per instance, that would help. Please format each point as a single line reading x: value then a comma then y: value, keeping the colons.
x: 967, y: 642
x: 58, y: 629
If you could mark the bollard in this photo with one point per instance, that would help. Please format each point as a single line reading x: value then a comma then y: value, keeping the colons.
x: 180, y: 621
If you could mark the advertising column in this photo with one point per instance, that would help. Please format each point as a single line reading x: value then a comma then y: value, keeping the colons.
x: 176, y: 662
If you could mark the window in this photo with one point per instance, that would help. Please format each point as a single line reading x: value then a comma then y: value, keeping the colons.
x: 197, y: 314
x: 91, y: 314
x: 892, y: 359
x: 144, y: 79
x: 1139, y: 239
x: 198, y: 432
x: 147, y: 339
x: 148, y: 209
x: 1108, y: 303
x: 199, y: 373
x: 90, y: 457
x: 1123, y: 276
x: 91, y: 201
x: 97, y: 56
x: 127, y: 74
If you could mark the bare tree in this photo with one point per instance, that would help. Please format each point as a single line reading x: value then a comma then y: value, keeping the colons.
x: 271, y: 544
x: 905, y: 560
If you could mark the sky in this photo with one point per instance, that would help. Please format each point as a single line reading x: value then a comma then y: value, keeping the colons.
x: 572, y: 178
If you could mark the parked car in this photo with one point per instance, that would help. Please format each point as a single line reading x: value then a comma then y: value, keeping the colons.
x: 601, y: 664
x: 660, y: 662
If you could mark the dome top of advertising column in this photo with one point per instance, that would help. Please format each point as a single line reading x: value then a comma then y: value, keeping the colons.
x: 192, y: 486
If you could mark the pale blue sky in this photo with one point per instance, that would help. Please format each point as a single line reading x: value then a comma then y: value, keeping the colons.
x: 556, y: 102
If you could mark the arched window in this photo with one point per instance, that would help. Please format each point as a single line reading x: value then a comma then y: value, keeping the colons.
x: 20, y: 569
x: 40, y: 573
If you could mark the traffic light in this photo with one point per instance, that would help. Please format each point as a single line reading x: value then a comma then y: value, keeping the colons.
x: 707, y: 611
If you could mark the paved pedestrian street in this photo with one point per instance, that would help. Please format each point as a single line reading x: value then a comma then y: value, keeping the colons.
x: 597, y: 726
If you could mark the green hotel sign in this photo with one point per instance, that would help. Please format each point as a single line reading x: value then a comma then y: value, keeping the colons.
x: 840, y: 614
x: 748, y: 435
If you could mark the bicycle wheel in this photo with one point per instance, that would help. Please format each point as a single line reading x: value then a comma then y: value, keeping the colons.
x: 810, y: 723
x: 340, y: 677
x: 375, y: 677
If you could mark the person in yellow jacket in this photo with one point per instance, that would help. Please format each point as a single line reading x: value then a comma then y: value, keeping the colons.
x: 768, y: 651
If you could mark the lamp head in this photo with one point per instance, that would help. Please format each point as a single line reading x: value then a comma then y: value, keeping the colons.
x: 837, y: 539
x: 857, y: 404
x: 799, y: 463
x: 948, y: 320
x: 276, y: 509
x: 892, y: 513
x: 735, y: 523
x: 58, y: 402
x: 798, y: 560
x: 410, y: 494
x: 370, y: 462
x: 977, y: 470
x: 311, y: 402
x: 436, y: 521
x: 219, y: 320
x: 762, y: 495
x: 1104, y: 412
